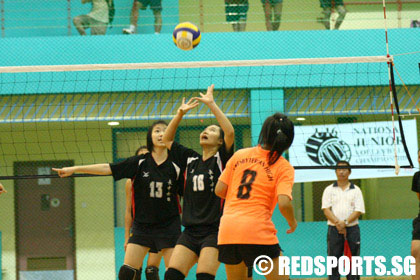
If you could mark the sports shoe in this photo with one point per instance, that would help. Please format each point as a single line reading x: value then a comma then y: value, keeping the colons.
x: 128, y: 31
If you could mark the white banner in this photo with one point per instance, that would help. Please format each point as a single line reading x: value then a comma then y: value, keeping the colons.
x: 368, y: 143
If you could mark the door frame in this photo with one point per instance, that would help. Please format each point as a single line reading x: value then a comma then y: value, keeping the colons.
x: 16, y: 164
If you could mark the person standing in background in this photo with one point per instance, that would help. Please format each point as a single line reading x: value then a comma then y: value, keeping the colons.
x: 236, y: 13
x: 326, y: 6
x: 272, y: 11
x: 155, y: 6
x: 342, y: 203
x: 97, y: 20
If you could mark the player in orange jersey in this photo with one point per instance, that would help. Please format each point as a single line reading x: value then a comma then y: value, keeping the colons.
x: 254, y: 181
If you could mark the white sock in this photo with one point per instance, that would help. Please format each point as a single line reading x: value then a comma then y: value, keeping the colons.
x: 132, y: 27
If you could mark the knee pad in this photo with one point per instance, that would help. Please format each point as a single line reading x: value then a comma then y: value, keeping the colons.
x: 174, y: 274
x: 129, y: 273
x: 152, y: 273
x: 205, y: 276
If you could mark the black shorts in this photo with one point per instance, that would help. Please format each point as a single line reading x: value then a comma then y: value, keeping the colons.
x: 250, y: 271
x: 236, y: 253
x: 416, y: 228
x: 155, y: 5
x: 236, y: 10
x: 156, y: 237
x: 195, y: 242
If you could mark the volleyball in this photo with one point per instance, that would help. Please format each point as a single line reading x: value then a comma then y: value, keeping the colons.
x: 186, y: 36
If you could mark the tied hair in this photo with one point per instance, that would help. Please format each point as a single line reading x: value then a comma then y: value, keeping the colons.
x: 278, y: 147
x: 277, y: 134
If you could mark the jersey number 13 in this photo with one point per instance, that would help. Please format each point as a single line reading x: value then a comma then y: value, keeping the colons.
x: 156, y: 189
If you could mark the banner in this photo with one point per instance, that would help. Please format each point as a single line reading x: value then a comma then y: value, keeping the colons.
x: 368, y: 143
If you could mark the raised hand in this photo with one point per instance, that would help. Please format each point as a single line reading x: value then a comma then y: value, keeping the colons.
x: 206, y: 98
x: 185, y: 107
x: 2, y: 189
x: 64, y: 172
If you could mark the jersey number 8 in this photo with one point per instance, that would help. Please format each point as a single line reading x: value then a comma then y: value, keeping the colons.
x: 246, y: 184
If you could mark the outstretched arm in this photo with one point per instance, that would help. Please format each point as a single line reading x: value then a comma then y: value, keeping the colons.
x: 168, y: 137
x: 220, y: 116
x: 94, y: 169
x: 128, y: 221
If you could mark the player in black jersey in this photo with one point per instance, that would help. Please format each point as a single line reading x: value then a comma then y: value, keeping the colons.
x: 415, y: 242
x: 156, y: 185
x: 153, y: 261
x: 201, y: 207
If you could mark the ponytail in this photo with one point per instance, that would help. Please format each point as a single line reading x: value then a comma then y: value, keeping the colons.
x: 277, y: 134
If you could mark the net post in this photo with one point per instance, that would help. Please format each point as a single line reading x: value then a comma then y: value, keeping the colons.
x: 397, y: 108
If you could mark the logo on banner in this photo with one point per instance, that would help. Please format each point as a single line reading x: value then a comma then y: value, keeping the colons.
x: 325, y: 148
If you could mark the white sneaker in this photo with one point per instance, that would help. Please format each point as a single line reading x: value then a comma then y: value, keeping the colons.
x: 128, y: 31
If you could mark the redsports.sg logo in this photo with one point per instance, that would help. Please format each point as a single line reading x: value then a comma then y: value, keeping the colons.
x: 322, y: 266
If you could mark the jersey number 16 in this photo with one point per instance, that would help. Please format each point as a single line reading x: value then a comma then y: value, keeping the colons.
x: 198, y: 181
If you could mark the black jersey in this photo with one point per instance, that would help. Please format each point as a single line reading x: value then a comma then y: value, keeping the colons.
x: 201, y: 207
x: 415, y: 186
x: 155, y: 188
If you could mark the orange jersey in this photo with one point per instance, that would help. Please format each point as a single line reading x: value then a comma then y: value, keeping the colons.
x: 253, y: 187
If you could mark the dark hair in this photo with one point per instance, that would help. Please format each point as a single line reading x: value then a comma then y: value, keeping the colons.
x: 343, y: 162
x: 149, y: 141
x: 140, y: 148
x: 221, y: 133
x: 276, y: 134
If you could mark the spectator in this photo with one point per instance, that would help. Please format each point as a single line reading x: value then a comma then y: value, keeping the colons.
x: 342, y: 203
x: 97, y: 20
x: 272, y: 12
x: 326, y: 5
x: 155, y: 6
x: 236, y: 13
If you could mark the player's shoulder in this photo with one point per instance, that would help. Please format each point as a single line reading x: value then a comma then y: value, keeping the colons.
x: 284, y: 164
x: 244, y: 153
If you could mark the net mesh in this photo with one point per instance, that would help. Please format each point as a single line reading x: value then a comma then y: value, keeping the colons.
x: 54, y: 117
x: 62, y: 115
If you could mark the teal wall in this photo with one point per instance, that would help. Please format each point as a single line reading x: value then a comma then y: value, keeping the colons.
x: 378, y: 238
x: 214, y: 46
x: 50, y: 18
